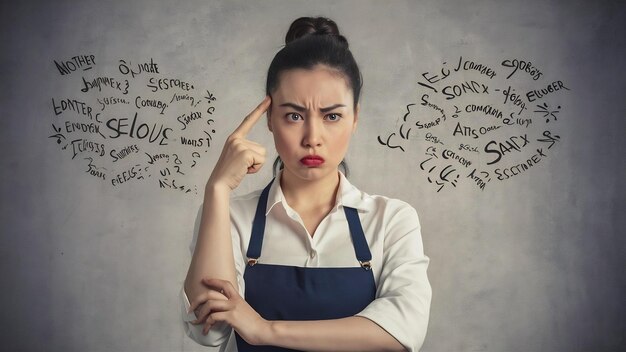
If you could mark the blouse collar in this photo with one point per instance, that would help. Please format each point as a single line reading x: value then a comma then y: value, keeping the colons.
x: 347, y: 195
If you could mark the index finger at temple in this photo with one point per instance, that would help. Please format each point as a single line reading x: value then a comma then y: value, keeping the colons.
x: 252, y: 118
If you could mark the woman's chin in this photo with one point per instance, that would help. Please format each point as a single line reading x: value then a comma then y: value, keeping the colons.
x: 310, y: 173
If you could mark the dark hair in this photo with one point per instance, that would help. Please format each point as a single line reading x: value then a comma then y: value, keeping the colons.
x: 311, y: 41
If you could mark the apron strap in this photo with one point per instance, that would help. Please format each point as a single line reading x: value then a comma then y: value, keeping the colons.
x: 258, y: 227
x: 361, y: 248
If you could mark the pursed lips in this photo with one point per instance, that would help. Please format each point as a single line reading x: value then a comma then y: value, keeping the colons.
x: 312, y: 160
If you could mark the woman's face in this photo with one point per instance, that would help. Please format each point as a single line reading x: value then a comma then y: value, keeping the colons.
x: 312, y: 119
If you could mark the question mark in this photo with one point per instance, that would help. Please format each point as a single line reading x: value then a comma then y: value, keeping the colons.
x: 194, y: 155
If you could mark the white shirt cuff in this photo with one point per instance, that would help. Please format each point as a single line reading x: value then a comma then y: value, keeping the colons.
x: 218, y: 334
x: 187, y: 316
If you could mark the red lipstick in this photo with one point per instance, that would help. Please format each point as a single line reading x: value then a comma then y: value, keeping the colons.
x: 312, y: 160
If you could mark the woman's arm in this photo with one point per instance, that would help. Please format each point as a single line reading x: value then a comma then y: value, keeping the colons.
x: 211, y: 235
x: 403, y: 295
x: 212, y: 256
x: 345, y: 334
x: 213, y: 253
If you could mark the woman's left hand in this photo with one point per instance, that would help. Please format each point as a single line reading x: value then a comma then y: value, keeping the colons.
x: 235, y: 311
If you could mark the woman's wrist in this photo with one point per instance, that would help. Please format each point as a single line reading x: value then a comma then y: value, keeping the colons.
x: 270, y: 336
x: 216, y: 188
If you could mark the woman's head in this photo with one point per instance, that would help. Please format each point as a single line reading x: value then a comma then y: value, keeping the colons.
x: 315, y: 85
x: 311, y: 42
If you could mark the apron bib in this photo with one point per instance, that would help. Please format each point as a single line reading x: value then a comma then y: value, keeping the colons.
x: 282, y: 292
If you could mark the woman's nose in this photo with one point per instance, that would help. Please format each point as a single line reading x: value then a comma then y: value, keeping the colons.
x: 312, y: 133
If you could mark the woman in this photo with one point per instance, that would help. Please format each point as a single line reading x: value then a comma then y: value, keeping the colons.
x: 310, y: 262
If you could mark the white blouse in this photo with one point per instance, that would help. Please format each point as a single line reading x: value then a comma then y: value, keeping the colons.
x: 392, y: 230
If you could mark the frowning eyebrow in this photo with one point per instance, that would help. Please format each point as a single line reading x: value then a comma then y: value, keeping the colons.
x: 302, y: 108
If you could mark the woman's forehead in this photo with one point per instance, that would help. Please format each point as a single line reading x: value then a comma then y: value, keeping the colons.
x: 319, y: 83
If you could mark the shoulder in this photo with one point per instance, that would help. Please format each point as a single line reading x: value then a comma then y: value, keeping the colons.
x: 393, y: 225
x: 388, y: 209
x: 386, y: 219
x: 246, y: 198
x: 389, y: 205
x: 379, y: 206
x: 243, y: 206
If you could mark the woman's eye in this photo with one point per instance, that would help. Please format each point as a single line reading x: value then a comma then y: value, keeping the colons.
x: 292, y: 116
x: 333, y: 117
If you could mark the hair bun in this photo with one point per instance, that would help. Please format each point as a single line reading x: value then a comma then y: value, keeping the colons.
x: 305, y: 26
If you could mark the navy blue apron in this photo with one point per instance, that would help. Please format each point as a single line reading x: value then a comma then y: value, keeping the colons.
x: 282, y: 292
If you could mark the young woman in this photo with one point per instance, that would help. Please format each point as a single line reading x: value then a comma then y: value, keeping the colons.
x: 310, y: 262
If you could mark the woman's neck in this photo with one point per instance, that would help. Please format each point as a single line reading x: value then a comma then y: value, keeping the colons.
x: 305, y: 195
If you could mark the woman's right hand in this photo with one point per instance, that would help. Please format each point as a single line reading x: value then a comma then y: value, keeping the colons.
x: 240, y: 156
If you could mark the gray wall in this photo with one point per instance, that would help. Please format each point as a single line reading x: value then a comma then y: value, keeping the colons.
x: 533, y: 261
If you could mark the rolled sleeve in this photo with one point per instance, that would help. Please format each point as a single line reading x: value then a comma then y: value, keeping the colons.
x: 217, y: 335
x: 402, y: 304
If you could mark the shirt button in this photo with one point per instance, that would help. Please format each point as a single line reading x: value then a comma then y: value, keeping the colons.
x: 313, y: 254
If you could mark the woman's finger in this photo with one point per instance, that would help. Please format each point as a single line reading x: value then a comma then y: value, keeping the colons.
x: 254, y: 146
x: 223, y: 286
x: 251, y: 119
x: 212, y: 319
x: 243, y: 146
x: 205, y: 296
x: 258, y: 162
x: 209, y: 307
